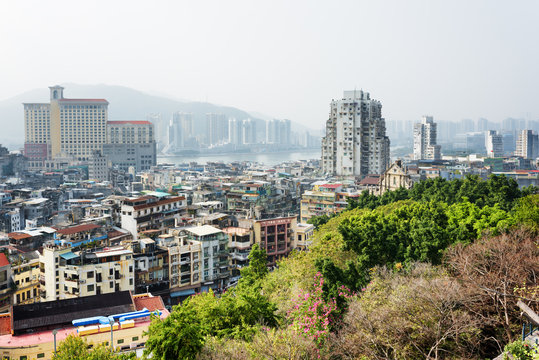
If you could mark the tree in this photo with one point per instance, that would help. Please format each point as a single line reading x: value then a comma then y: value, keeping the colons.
x: 76, y: 348
x: 237, y: 314
x: 491, y: 270
x: 257, y: 268
x: 414, y: 314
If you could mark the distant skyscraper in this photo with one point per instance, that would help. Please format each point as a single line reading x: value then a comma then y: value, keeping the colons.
x: 466, y: 126
x: 235, y: 131
x: 161, y: 130
x: 249, y: 131
x: 180, y: 130
x: 64, y: 127
x: 278, y: 132
x: 494, y: 143
x: 355, y: 141
x: 425, y: 147
x: 217, y: 129
x: 527, y: 144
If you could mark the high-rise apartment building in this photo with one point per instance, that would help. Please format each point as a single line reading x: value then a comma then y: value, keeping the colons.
x: 425, y: 147
x: 494, y: 144
x: 217, y: 129
x: 64, y: 127
x: 355, y: 142
x: 527, y: 144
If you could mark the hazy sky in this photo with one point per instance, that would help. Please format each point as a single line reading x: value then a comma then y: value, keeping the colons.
x: 288, y: 59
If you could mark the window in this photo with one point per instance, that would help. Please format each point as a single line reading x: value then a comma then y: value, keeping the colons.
x: 90, y: 287
x: 120, y: 341
x: 135, y: 338
x: 40, y: 355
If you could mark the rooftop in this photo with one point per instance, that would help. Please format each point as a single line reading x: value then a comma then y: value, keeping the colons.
x: 3, y: 260
x: 204, y: 230
x: 62, y: 312
x: 125, y: 122
x: 77, y: 229
x: 83, y: 100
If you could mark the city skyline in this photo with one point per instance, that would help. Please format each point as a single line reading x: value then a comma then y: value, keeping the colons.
x: 415, y: 71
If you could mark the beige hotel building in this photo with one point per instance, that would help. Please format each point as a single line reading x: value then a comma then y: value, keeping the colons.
x: 64, y: 128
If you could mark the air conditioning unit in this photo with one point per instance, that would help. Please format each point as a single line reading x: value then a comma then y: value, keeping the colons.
x: 82, y: 281
x: 160, y: 279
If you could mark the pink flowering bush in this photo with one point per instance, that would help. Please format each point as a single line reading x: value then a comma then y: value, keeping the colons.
x: 314, y: 316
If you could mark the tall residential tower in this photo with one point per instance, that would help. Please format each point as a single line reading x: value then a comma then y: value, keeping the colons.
x: 425, y: 147
x: 355, y: 143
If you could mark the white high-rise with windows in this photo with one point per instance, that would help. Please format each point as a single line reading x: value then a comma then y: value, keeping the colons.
x: 494, y: 144
x: 355, y: 143
x: 527, y: 144
x: 425, y: 147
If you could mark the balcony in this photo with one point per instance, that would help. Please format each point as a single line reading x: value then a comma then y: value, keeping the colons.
x: 240, y: 256
x: 71, y: 282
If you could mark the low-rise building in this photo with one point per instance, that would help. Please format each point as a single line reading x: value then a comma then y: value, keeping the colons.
x: 6, y: 283
x: 26, y: 331
x: 185, y: 268
x: 215, y: 263
x: 151, y: 212
x: 26, y: 278
x: 303, y: 236
x: 240, y: 241
x: 67, y: 274
x: 275, y: 236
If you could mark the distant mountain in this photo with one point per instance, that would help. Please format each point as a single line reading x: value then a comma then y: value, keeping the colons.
x: 125, y: 104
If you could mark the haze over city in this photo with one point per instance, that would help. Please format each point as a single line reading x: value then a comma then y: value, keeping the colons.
x: 454, y: 60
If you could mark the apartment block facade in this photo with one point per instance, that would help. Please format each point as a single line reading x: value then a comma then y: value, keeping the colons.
x: 527, y: 144
x: 215, y: 260
x: 130, y: 144
x: 494, y: 144
x: 66, y: 274
x: 148, y: 212
x: 355, y: 143
x: 276, y: 236
x: 425, y: 147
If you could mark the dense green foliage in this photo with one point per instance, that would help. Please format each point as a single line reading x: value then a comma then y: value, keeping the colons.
x: 238, y: 314
x: 76, y: 348
x: 497, y: 190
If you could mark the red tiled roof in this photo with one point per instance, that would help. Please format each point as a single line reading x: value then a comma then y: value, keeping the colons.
x: 370, y: 180
x: 5, y: 324
x: 3, y: 260
x: 151, y: 303
x: 18, y: 235
x: 83, y: 100
x: 114, y: 233
x: 331, y: 186
x: 134, y: 122
x: 157, y: 203
x: 77, y: 229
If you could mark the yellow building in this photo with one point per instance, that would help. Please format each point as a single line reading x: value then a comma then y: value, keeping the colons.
x: 26, y: 332
x: 26, y: 279
x: 303, y: 236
